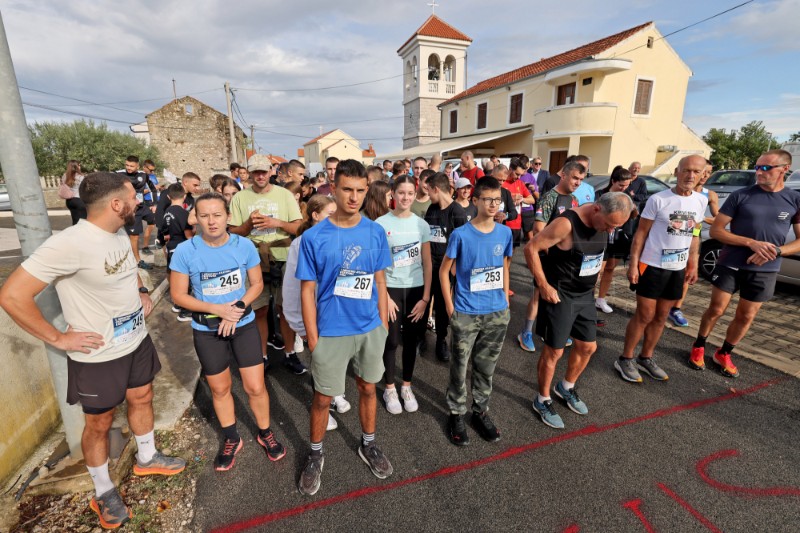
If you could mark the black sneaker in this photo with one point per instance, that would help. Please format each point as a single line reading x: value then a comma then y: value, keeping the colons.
x: 184, y: 316
x: 227, y: 455
x: 484, y: 426
x: 147, y: 251
x: 457, y: 430
x: 376, y: 460
x: 276, y: 341
x: 422, y: 346
x: 275, y: 450
x: 145, y: 266
x: 293, y: 363
x: 266, y: 363
x: 442, y: 350
x: 311, y: 476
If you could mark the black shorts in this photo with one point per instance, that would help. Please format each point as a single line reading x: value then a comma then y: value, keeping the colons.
x: 619, y: 249
x: 575, y: 316
x: 273, y: 281
x: 660, y: 284
x: 143, y: 214
x: 528, y: 218
x: 100, y: 387
x: 215, y: 352
x: 753, y: 286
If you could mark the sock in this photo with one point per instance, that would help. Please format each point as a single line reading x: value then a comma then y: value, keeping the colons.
x: 231, y: 433
x: 366, y: 438
x: 316, y: 448
x: 566, y: 385
x: 700, y: 342
x: 288, y: 354
x: 146, y: 444
x: 264, y: 433
x: 675, y: 309
x: 727, y: 348
x: 543, y: 399
x: 529, y: 325
x: 101, y: 479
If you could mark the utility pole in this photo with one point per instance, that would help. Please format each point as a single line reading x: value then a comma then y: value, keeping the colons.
x: 234, y: 158
x: 253, y: 138
x: 33, y: 226
x: 174, y: 91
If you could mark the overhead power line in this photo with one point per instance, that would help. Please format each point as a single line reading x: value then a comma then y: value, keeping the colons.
x: 311, y: 89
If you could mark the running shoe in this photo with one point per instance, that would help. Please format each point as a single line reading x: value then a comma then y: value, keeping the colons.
x: 265, y: 357
x: 600, y: 323
x: 376, y: 460
x: 569, y: 343
x: 161, y: 465
x: 697, y: 359
x: 147, y: 251
x: 184, y: 316
x: 573, y: 401
x: 484, y: 426
x: 677, y: 318
x: 311, y: 476
x: 457, y: 430
x: 510, y: 293
x: 392, y: 401
x: 275, y: 341
x: 409, y: 400
x: 726, y: 366
x: 145, y: 266
x: 648, y: 366
x: 227, y: 455
x: 292, y: 362
x: 548, y: 413
x: 275, y: 450
x: 299, y: 347
x: 332, y: 423
x: 627, y: 369
x: 176, y: 309
x: 340, y: 404
x: 442, y: 350
x: 525, y: 340
x: 111, y: 510
x: 602, y: 305
x: 432, y: 324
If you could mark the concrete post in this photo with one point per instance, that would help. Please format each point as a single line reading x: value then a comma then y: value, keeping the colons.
x: 33, y: 226
x: 232, y: 131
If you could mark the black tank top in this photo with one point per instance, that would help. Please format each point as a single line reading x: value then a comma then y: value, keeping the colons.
x: 576, y: 270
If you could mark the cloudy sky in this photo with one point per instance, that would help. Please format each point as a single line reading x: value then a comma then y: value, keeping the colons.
x: 280, y: 55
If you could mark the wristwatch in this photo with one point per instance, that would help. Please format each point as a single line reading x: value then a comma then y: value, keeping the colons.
x: 144, y: 290
x: 240, y: 304
x: 778, y: 251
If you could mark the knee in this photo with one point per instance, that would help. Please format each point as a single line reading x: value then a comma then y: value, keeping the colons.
x: 365, y: 390
x: 661, y: 316
x: 254, y: 390
x: 99, y: 424
x: 222, y: 391
x: 746, y: 315
x: 645, y: 316
x: 140, y: 397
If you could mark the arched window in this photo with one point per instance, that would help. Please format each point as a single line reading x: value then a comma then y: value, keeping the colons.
x: 434, y: 67
x: 450, y: 69
x: 414, y: 70
x: 407, y: 75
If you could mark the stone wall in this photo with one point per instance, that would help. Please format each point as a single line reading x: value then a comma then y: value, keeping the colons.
x: 422, y: 123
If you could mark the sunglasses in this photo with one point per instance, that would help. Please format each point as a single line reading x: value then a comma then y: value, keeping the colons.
x: 537, y: 163
x: 767, y: 168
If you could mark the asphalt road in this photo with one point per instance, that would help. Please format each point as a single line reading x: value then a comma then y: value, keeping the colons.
x: 699, y: 452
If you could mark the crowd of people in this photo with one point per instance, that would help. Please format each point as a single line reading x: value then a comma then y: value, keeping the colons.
x: 358, y: 261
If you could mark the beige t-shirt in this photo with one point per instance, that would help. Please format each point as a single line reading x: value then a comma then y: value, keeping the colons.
x: 278, y: 203
x: 95, y: 276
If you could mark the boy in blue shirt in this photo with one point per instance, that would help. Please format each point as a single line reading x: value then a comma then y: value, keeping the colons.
x: 481, y: 251
x: 345, y: 312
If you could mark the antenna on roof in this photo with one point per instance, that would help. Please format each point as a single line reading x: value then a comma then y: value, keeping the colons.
x: 174, y: 91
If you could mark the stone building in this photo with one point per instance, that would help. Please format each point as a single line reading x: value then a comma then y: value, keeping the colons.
x: 192, y: 136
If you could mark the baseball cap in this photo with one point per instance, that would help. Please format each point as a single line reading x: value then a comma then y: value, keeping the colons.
x: 259, y: 162
x: 462, y: 182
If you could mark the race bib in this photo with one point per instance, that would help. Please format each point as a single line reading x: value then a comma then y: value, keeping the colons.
x: 139, y: 197
x: 354, y: 284
x: 674, y: 259
x: 591, y: 264
x: 437, y: 234
x: 486, y: 279
x: 406, y: 255
x: 222, y: 282
x: 126, y: 327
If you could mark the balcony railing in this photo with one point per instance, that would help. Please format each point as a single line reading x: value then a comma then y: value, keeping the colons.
x: 450, y: 88
x: 433, y: 86
x: 596, y: 118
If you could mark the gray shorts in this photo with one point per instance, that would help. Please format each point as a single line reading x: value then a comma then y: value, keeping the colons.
x: 331, y: 356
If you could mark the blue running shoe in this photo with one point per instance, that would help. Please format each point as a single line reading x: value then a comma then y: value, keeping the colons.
x: 677, y: 318
x: 575, y: 404
x: 526, y: 341
x: 548, y: 414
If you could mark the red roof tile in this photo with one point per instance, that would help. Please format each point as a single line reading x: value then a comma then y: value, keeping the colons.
x: 369, y: 152
x: 549, y: 63
x: 301, y: 152
x: 315, y: 139
x: 436, y: 27
x: 276, y: 159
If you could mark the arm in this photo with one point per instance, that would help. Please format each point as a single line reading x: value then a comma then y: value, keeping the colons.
x: 147, y: 303
x: 17, y: 298
x: 639, y: 238
x: 383, y: 297
x: 427, y: 274
x: 507, y: 279
x: 511, y: 207
x: 694, y: 259
x: 444, y: 280
x: 271, y: 222
x: 308, y: 305
x: 713, y: 207
x: 550, y: 236
x: 763, y: 251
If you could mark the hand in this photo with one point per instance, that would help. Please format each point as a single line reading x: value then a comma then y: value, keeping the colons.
x: 418, y: 311
x: 226, y: 328
x: 152, y: 209
x: 449, y: 308
x: 549, y: 294
x: 757, y: 260
x: 500, y: 217
x: 691, y: 274
x: 147, y: 303
x: 229, y: 312
x: 266, y: 222
x: 766, y: 250
x: 392, y: 310
x: 312, y: 342
x: 517, y: 198
x: 79, y: 341
x: 633, y: 274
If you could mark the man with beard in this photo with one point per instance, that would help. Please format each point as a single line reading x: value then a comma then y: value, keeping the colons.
x: 141, y: 185
x: 111, y: 358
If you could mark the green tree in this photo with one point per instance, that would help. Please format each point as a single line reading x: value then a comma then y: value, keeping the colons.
x: 738, y: 149
x: 794, y: 137
x: 94, y: 145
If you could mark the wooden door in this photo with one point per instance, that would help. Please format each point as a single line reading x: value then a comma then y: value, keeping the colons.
x: 557, y: 160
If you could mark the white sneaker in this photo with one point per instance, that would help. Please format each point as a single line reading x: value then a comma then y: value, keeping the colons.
x: 332, y: 424
x: 341, y: 405
x: 602, y: 305
x: 298, y: 344
x: 392, y: 401
x: 409, y: 400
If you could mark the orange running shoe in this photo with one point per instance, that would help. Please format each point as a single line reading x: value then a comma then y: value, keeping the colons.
x: 697, y: 359
x: 726, y: 366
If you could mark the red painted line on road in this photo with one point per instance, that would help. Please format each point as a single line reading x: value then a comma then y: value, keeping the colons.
x: 574, y: 528
x: 635, y: 507
x: 686, y: 505
x: 702, y: 470
x: 506, y: 454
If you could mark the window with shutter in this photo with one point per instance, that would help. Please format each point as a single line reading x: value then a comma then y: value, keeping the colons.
x: 644, y: 92
x: 515, y: 112
x: 566, y: 94
x: 453, y: 121
x: 482, y: 111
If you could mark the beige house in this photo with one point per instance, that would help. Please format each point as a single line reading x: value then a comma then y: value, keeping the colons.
x: 616, y: 100
x: 335, y: 143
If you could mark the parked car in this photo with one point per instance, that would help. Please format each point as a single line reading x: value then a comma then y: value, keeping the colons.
x: 5, y: 203
x: 724, y: 182
x: 654, y: 185
x: 710, y: 248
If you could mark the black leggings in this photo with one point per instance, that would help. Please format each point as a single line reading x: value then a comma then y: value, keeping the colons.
x: 77, y: 209
x: 405, y: 299
x: 439, y: 309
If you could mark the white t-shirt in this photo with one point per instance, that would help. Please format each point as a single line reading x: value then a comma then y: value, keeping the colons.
x: 95, y: 276
x: 675, y: 220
